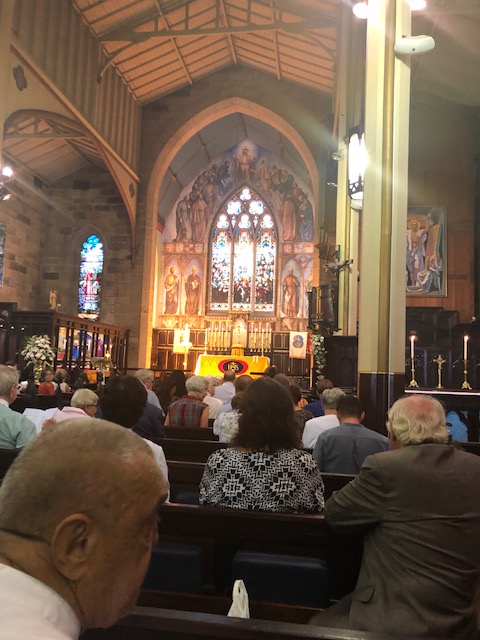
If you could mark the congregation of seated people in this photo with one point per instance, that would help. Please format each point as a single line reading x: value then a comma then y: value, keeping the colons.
x: 411, y: 497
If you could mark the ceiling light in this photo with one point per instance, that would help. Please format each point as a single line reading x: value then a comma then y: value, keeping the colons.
x: 5, y: 176
x: 360, y: 9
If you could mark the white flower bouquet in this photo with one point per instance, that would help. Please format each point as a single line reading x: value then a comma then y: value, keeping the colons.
x: 319, y: 352
x: 38, y: 349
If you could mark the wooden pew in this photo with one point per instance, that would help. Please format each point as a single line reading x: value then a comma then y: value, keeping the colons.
x: 471, y: 447
x: 186, y: 476
x: 222, y: 532
x: 165, y: 624
x: 191, y: 433
x: 189, y: 450
x: 7, y: 456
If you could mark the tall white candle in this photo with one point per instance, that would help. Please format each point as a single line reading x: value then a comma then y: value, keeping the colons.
x: 412, y: 347
x: 465, y: 347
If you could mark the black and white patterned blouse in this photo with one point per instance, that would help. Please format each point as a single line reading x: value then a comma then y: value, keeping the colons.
x: 288, y: 480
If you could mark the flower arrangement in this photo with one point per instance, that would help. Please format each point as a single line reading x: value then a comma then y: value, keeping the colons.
x: 319, y: 352
x: 100, y: 363
x: 38, y: 349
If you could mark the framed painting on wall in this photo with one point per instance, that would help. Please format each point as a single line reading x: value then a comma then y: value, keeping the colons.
x: 426, y: 273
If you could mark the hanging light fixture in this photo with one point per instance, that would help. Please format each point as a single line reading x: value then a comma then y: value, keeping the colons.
x: 357, y: 162
x: 5, y: 177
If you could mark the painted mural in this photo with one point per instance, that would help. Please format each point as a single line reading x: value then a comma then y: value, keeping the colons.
x: 269, y: 238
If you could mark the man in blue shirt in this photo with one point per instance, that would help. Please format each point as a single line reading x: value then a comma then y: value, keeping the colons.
x: 343, y: 449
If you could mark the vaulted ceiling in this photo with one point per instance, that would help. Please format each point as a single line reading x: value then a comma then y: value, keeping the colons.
x: 162, y: 46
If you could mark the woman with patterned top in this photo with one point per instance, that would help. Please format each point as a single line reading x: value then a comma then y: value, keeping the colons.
x: 264, y: 470
x: 190, y: 411
x: 226, y: 424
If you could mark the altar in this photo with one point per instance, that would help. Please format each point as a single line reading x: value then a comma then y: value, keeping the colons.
x: 210, y: 365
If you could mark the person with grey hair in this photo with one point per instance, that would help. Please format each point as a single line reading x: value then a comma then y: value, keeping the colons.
x: 214, y: 404
x: 316, y: 426
x: 226, y: 391
x: 83, y: 404
x: 147, y: 378
x: 73, y: 550
x: 15, y: 430
x: 190, y: 411
x: 419, y: 510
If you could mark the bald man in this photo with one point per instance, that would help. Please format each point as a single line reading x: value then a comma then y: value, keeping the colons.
x: 419, y: 507
x: 78, y: 521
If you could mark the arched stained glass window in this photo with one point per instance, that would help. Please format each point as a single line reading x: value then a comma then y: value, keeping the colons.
x: 243, y: 255
x: 90, y: 282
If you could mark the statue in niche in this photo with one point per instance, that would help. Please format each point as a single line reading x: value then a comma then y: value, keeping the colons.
x: 171, y: 292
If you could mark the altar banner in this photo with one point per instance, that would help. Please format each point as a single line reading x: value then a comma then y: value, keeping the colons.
x: 298, y: 344
x: 218, y: 365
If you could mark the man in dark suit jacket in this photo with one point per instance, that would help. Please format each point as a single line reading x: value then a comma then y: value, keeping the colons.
x: 419, y: 507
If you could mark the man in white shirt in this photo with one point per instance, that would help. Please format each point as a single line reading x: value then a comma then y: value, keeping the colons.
x: 75, y: 545
x: 147, y: 378
x: 214, y: 404
x: 15, y: 430
x: 226, y: 391
x: 316, y: 426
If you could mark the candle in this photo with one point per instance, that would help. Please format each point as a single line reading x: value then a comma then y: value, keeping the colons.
x: 465, y: 347
x: 412, y: 347
x: 206, y: 335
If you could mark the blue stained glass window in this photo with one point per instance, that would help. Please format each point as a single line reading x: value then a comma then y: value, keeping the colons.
x: 90, y: 282
x: 243, y: 258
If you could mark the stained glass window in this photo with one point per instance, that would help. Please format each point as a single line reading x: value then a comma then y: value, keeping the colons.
x: 90, y: 282
x: 243, y: 255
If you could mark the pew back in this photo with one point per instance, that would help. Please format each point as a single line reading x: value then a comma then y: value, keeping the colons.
x: 191, y: 433
x: 151, y: 624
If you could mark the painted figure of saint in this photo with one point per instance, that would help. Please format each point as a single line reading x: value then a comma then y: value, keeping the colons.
x: 291, y: 298
x: 192, y: 291
x: 183, y: 221
x: 171, y: 292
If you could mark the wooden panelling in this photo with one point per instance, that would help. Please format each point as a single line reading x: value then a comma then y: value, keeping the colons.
x: 441, y: 172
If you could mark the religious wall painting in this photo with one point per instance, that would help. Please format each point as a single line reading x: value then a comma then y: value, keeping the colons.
x: 171, y: 285
x: 290, y: 290
x: 243, y: 255
x: 3, y: 232
x: 288, y: 197
x: 193, y: 295
x: 426, y: 252
x: 90, y: 281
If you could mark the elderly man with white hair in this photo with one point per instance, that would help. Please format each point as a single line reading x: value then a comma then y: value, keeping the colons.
x: 419, y: 509
x: 190, y: 411
x: 15, y: 430
x: 214, y: 404
x: 147, y: 378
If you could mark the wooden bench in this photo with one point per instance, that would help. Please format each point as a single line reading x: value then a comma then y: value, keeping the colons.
x: 223, y: 532
x: 189, y: 450
x: 471, y: 447
x: 186, y: 476
x: 165, y: 624
x: 7, y: 456
x: 191, y: 433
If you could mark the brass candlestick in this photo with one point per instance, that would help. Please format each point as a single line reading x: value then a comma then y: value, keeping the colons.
x: 465, y: 384
x: 413, y: 382
x: 440, y: 361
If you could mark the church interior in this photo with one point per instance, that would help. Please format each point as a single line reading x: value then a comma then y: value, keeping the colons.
x: 182, y: 186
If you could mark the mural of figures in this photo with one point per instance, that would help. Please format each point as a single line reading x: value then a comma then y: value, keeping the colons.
x: 192, y: 293
x: 183, y: 221
x: 172, y: 284
x: 290, y: 294
x: 290, y: 200
x: 426, y: 251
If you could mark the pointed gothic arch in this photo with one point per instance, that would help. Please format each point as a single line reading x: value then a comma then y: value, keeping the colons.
x: 243, y: 254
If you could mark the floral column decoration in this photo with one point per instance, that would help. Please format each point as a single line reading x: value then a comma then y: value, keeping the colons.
x: 319, y: 353
x: 38, y: 350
